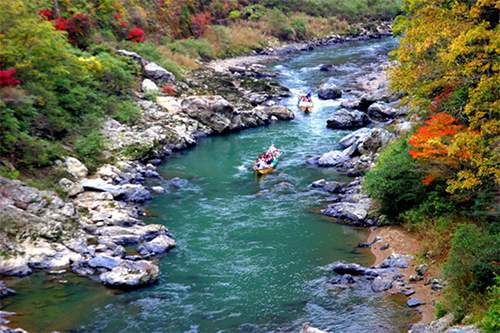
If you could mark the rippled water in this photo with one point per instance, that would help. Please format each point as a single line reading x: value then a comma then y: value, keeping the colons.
x: 253, y: 253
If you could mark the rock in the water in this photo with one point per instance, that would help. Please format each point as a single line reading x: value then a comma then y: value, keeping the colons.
x: 329, y: 90
x: 344, y: 279
x: 4, y: 291
x: 413, y: 302
x: 353, y: 269
x: 104, y: 262
x: 158, y: 245
x: 307, y: 328
x: 382, y: 283
x: 332, y: 158
x: 350, y: 139
x: 131, y: 274
x: 347, y: 119
x: 328, y: 68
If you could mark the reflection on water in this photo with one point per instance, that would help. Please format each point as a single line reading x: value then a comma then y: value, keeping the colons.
x: 253, y: 254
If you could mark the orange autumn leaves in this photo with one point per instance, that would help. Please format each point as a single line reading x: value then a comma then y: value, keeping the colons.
x: 432, y: 143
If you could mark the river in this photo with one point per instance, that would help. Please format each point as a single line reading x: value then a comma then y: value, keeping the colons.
x: 253, y: 253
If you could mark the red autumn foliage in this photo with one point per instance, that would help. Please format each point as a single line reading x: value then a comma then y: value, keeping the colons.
x: 7, y: 78
x: 46, y: 14
x: 168, y: 89
x: 77, y: 26
x: 201, y: 23
x: 136, y: 35
x: 432, y: 141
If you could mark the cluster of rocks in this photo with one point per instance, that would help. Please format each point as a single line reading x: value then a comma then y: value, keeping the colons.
x: 382, y: 277
x: 350, y: 203
x: 443, y: 325
x: 87, y: 234
x: 168, y: 123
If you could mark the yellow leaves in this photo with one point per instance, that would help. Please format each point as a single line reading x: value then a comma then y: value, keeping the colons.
x: 92, y: 64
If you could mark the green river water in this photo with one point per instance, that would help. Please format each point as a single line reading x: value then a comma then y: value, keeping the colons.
x: 253, y: 253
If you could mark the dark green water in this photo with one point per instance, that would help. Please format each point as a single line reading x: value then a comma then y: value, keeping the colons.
x: 253, y: 254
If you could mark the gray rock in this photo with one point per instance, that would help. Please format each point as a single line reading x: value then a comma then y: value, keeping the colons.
x: 76, y: 168
x: 4, y: 291
x: 329, y: 90
x: 158, y: 245
x: 328, y: 68
x: 381, y: 283
x: 413, y: 302
x: 352, y: 269
x: 350, y: 139
x: 409, y: 292
x: 158, y: 73
x: 382, y: 110
x: 70, y: 187
x: 347, y: 211
x: 347, y: 119
x: 158, y: 189
x: 102, y: 261
x: 332, y: 158
x: 333, y: 187
x: 149, y: 86
x: 344, y: 279
x: 307, y: 328
x: 131, y: 274
x: 396, y: 262
x: 422, y: 269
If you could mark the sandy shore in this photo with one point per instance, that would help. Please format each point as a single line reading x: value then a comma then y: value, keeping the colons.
x: 401, y: 242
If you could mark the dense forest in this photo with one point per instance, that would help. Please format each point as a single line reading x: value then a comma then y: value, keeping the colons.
x: 443, y: 180
x: 60, y: 76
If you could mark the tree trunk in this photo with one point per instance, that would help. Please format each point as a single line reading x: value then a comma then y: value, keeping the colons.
x: 55, y: 8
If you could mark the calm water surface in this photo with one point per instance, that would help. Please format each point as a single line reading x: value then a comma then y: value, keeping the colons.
x: 253, y: 254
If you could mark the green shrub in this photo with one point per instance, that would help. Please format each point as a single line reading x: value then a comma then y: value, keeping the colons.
x: 491, y: 320
x: 393, y: 182
x: 471, y: 267
x: 152, y: 52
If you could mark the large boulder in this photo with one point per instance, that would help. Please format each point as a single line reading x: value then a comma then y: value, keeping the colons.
x: 158, y: 73
x: 279, y: 111
x: 329, y: 90
x: 126, y: 192
x: 374, y: 140
x: 131, y: 274
x: 382, y: 283
x: 350, y: 139
x: 332, y: 158
x: 348, y: 211
x: 351, y: 269
x: 158, y: 245
x: 382, y: 110
x: 347, y: 119
x: 149, y: 86
x: 76, y: 168
x: 214, y: 112
x: 104, y: 262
